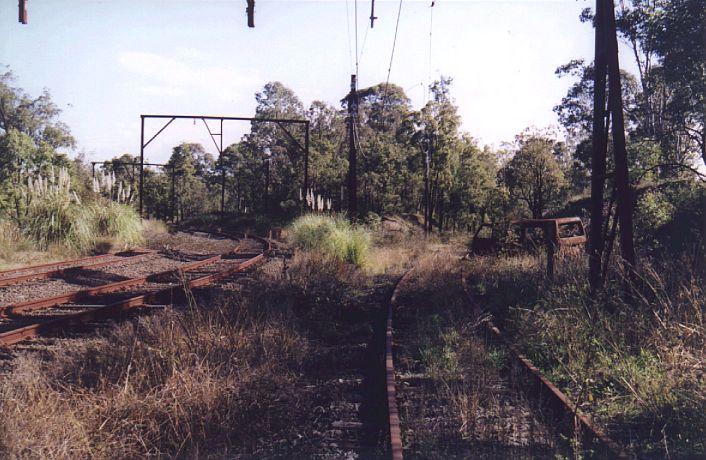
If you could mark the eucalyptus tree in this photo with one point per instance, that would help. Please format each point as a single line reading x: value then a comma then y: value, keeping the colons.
x: 270, y: 141
x: 437, y: 131
x: 533, y: 174
x: 197, y: 187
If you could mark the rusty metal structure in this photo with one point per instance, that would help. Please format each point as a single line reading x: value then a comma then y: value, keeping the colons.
x: 52, y: 270
x: 561, y: 234
x: 540, y: 388
x: 281, y: 122
x: 395, y: 430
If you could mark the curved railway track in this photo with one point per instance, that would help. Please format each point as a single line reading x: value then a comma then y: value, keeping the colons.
x: 91, y: 306
x: 64, y: 312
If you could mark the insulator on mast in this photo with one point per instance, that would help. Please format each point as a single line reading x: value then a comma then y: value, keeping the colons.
x: 251, y: 13
x: 23, y: 11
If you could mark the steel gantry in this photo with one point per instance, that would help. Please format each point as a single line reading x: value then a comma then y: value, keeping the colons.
x: 281, y: 122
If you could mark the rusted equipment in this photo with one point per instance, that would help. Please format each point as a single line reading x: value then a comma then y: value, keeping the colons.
x: 484, y: 240
x: 560, y: 234
x: 117, y: 309
x: 563, y: 233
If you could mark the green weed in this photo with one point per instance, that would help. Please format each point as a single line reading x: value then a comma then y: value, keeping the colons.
x: 331, y: 236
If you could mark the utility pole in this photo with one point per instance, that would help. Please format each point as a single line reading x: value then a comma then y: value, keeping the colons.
x: 622, y: 177
x: 352, y: 153
x: 426, y: 148
x: 174, y: 213
x: 372, y: 14
x: 223, y: 175
x: 268, y: 159
x: 142, y: 159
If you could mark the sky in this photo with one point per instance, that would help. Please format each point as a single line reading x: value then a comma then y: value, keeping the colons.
x: 105, y: 62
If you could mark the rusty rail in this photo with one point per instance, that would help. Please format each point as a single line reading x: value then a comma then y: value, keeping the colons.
x: 116, y: 309
x: 542, y: 388
x: 83, y: 294
x: 55, y: 265
x: 392, y: 409
x: 61, y: 269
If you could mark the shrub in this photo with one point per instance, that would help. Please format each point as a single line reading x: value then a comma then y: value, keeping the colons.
x: 331, y: 236
x: 118, y: 221
x: 53, y: 214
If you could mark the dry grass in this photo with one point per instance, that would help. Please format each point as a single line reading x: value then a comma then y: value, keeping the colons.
x: 174, y: 384
x: 393, y: 257
x: 223, y: 378
x: 16, y: 250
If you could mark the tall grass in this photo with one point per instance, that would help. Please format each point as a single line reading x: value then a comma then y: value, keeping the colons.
x: 54, y: 215
x: 332, y: 237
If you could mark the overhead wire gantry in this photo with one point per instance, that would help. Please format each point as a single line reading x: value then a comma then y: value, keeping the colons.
x: 281, y: 122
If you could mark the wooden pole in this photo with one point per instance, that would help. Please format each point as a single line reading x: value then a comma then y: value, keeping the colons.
x: 352, y: 152
x: 599, y: 147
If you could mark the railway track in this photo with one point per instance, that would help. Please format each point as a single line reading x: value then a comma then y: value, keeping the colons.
x: 536, y: 418
x: 69, y: 310
x: 375, y: 400
x: 57, y: 269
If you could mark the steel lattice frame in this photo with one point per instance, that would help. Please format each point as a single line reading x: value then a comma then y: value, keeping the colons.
x: 219, y: 145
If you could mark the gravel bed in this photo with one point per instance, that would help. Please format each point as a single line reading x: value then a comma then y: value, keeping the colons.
x: 188, y: 243
x: 79, y: 279
x: 159, y: 264
x: 196, y: 247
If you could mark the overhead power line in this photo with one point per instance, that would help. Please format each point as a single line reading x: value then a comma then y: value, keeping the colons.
x: 394, y: 43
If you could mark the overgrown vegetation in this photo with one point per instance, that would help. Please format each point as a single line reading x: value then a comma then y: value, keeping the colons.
x: 49, y: 214
x: 634, y: 359
x: 462, y: 402
x: 332, y: 237
x: 212, y: 379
